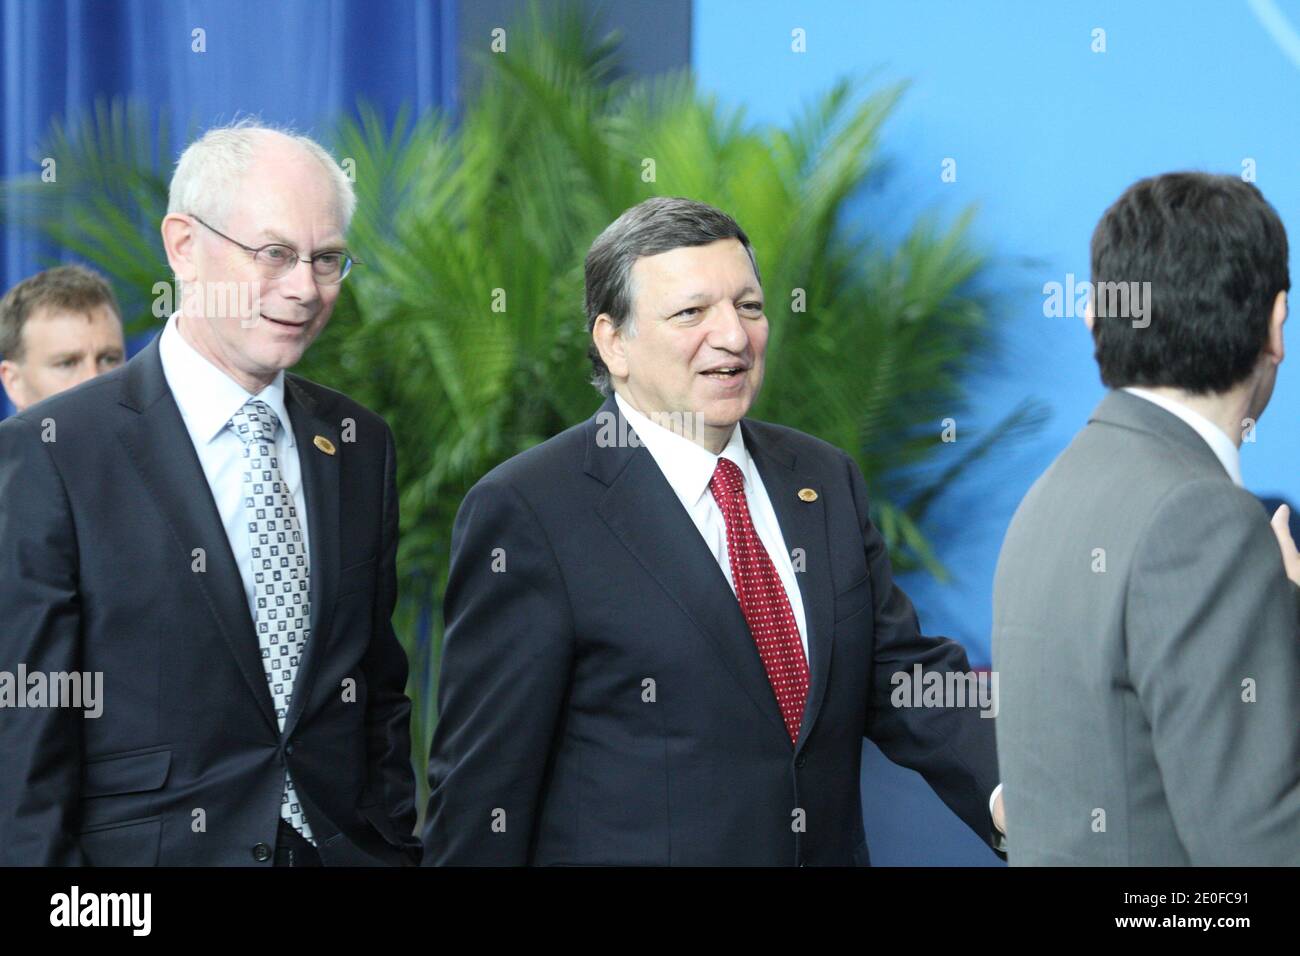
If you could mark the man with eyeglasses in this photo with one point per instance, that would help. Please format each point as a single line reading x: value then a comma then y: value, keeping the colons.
x: 197, y: 562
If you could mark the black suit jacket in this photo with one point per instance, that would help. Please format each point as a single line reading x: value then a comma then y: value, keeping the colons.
x: 601, y: 699
x: 98, y: 573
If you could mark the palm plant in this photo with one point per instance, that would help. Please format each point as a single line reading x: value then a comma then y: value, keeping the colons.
x: 465, y: 329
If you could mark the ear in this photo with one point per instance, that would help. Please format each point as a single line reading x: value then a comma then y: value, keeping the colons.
x: 179, y: 241
x: 611, y: 345
x: 11, y: 377
x: 1088, y: 317
x: 1276, y: 348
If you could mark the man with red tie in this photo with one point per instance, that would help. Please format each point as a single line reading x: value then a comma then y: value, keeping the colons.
x: 670, y: 627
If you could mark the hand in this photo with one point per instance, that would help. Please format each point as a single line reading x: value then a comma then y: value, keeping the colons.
x: 1000, y: 815
x: 1281, y: 523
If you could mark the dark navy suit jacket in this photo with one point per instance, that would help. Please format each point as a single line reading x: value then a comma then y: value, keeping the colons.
x: 98, y: 531
x: 602, y: 701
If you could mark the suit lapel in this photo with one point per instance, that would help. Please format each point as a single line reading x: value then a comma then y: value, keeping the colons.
x: 159, y: 446
x: 641, y: 509
x: 803, y: 526
x: 320, y: 479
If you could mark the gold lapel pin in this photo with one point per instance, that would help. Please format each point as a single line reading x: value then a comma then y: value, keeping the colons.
x: 807, y: 494
x: 327, y: 446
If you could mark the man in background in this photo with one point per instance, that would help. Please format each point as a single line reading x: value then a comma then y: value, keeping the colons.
x: 58, y: 328
x: 1144, y: 629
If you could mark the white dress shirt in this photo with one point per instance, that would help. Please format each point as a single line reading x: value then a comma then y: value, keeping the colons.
x: 1224, y: 448
x: 689, y: 468
x: 207, y: 397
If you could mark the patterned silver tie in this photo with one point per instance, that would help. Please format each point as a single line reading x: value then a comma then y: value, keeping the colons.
x: 280, y: 573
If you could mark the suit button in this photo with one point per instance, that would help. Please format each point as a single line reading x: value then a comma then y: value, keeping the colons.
x: 800, y: 760
x: 288, y: 748
x: 261, y: 853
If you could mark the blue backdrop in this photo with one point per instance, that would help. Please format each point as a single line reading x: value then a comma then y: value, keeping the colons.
x: 1046, y: 133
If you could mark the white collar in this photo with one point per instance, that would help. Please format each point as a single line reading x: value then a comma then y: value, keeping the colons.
x: 1224, y: 449
x: 687, y: 466
x: 206, y: 396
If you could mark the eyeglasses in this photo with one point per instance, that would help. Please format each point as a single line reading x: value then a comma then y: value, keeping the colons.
x: 276, y: 260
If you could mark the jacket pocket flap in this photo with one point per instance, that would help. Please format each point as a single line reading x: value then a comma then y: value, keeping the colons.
x: 853, y: 598
x: 382, y: 824
x: 130, y: 774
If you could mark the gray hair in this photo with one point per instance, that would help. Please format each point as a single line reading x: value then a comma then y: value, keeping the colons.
x: 207, y: 175
x: 656, y: 225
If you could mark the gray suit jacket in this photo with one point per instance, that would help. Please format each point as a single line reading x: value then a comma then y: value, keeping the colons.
x: 1148, y: 652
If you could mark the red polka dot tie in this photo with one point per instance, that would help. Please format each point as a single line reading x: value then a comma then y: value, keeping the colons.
x: 762, y: 598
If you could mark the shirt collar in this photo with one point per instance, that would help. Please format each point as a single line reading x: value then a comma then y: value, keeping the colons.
x: 206, y: 396
x: 687, y: 466
x: 1224, y: 449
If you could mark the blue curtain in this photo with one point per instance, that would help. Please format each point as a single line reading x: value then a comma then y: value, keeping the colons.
x: 298, y: 62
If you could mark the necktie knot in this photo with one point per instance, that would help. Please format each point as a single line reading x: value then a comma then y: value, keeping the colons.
x: 255, y: 421
x: 727, y: 480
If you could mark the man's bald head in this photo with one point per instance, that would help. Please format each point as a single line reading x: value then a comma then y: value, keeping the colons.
x: 209, y: 173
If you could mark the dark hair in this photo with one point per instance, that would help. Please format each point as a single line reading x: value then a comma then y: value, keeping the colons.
x: 64, y: 288
x: 1215, y: 254
x: 656, y: 225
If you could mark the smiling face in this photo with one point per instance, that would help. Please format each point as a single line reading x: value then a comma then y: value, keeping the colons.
x: 60, y: 349
x: 698, y: 335
x: 250, y: 326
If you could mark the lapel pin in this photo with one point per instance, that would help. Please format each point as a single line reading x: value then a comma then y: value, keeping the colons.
x: 807, y: 494
x: 327, y: 446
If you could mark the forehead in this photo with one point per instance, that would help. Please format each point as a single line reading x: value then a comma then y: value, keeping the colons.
x: 719, y: 268
x: 55, y: 326
x: 286, y: 188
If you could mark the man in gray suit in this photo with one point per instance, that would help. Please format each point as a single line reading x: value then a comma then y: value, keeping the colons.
x: 1145, y: 633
